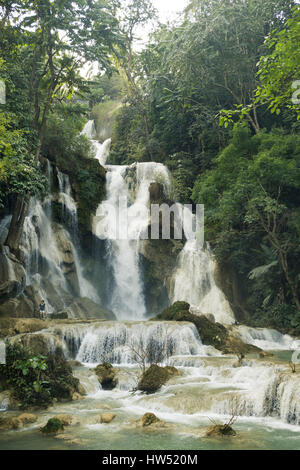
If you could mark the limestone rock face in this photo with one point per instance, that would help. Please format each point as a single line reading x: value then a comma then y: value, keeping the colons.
x: 84, y: 308
x: 67, y: 256
x: 36, y: 342
x: 106, y: 375
x: 12, y: 275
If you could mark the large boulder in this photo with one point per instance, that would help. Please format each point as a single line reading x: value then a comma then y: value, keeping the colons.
x: 154, y: 377
x: 107, y: 418
x: 106, y: 375
x: 148, y: 419
x: 211, y: 333
x: 53, y: 426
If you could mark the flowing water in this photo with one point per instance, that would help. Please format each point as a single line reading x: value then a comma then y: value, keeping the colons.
x: 262, y: 393
x: 49, y: 250
x: 128, y: 191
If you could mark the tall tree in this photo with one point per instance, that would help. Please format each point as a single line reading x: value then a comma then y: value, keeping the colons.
x: 55, y: 39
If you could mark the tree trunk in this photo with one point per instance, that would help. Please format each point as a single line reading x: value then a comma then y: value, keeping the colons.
x: 16, y: 225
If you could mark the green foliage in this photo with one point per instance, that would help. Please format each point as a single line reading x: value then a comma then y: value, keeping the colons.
x: 280, y: 68
x: 24, y: 374
x: 19, y: 173
x: 251, y: 199
x: 36, y: 379
x: 72, y: 153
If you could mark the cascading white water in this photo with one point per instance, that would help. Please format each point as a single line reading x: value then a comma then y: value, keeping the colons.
x: 89, y: 130
x: 193, y: 282
x: 102, y: 151
x: 119, y: 342
x: 40, y: 246
x: 127, y: 300
x: 4, y: 225
x: 69, y: 208
x: 125, y: 343
x: 265, y: 338
x: 129, y: 184
x: 43, y: 251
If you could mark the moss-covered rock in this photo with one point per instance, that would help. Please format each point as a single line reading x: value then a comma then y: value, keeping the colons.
x: 106, y: 375
x: 53, y: 426
x: 148, y: 419
x: 154, y: 377
x: 211, y: 333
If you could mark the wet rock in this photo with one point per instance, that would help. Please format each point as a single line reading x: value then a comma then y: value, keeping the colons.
x: 81, y: 390
x: 66, y: 420
x: 76, y: 396
x: 106, y: 375
x: 27, y: 418
x: 53, y: 426
x: 211, y: 333
x: 7, y: 422
x: 75, y: 442
x: 35, y: 342
x: 16, y: 326
x: 148, y: 419
x: 154, y: 377
x: 220, y: 430
x: 84, y: 308
x: 74, y: 363
x: 107, y: 418
x: 64, y: 437
x: 264, y: 354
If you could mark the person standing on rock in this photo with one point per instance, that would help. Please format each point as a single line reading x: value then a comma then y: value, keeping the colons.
x: 43, y: 310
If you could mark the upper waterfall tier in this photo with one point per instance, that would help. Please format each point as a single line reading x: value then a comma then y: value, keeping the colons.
x: 123, y: 219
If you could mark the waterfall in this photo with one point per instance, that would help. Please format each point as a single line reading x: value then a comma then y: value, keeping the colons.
x: 68, y: 205
x: 50, y: 254
x: 4, y: 225
x: 126, y: 297
x: 265, y: 338
x: 89, y: 130
x: 193, y: 278
x: 131, y: 185
x: 102, y: 151
x: 193, y: 282
x: 121, y: 342
x: 41, y: 251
